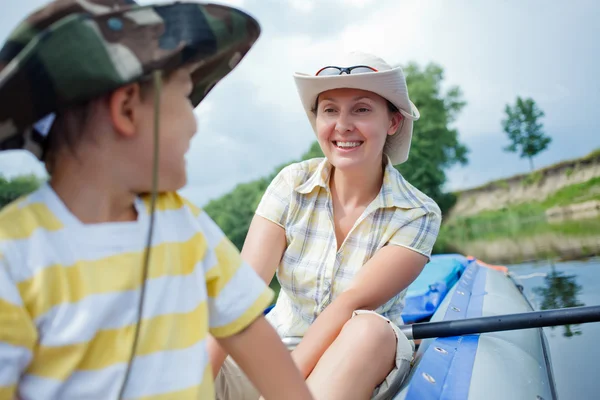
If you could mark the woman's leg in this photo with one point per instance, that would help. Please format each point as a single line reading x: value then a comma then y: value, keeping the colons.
x: 359, y: 359
x: 232, y: 384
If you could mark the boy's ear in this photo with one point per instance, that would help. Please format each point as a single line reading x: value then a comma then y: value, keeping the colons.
x: 125, y: 105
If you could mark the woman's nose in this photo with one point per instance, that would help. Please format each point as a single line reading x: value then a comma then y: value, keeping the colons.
x: 344, y: 123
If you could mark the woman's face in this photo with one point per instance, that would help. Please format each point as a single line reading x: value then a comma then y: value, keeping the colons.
x: 352, y: 127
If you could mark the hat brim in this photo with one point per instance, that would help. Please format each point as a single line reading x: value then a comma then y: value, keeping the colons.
x: 83, y: 56
x: 390, y: 85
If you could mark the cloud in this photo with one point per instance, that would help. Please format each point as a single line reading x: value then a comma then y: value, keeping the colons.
x: 494, y: 51
x: 17, y: 162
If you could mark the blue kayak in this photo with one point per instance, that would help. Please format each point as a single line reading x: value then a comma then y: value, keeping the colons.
x: 426, y: 293
x: 491, y: 366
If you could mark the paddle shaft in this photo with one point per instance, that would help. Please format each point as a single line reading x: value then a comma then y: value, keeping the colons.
x: 535, y: 319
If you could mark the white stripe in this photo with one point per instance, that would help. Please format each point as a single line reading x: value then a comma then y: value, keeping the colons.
x: 73, y: 244
x: 34, y: 387
x: 168, y: 371
x: 8, y: 290
x: 79, y: 322
x: 240, y: 293
x: 210, y: 261
x: 211, y: 230
x: 13, y: 361
x: 161, y: 372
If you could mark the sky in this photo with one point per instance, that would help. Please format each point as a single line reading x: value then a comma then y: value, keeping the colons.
x: 494, y: 51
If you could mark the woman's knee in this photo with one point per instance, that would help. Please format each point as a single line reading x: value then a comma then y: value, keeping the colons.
x: 369, y: 331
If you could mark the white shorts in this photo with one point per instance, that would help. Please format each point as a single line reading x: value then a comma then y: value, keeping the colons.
x: 232, y: 384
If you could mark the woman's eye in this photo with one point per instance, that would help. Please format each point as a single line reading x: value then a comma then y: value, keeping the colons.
x: 328, y: 110
x: 362, y: 110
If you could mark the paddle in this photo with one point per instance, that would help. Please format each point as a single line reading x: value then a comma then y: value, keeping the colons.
x: 497, y: 323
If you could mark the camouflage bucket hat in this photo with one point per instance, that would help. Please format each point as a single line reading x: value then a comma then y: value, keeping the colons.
x: 72, y: 51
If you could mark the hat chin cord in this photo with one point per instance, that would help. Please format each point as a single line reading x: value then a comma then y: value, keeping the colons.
x: 157, y: 78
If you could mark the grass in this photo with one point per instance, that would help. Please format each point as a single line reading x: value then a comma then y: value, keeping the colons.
x: 532, y: 179
x: 577, y: 193
x: 523, y: 219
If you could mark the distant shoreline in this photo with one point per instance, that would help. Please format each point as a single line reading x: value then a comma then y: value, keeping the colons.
x: 534, y: 186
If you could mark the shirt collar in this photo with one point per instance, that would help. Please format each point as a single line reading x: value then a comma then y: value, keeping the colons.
x: 319, y: 178
x: 395, y: 190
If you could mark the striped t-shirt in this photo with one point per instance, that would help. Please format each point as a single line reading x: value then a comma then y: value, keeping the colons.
x: 69, y: 295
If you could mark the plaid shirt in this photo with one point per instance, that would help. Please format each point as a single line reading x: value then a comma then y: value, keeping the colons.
x: 312, y: 271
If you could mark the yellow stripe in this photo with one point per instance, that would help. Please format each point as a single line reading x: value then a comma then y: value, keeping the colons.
x: 20, y: 222
x: 247, y: 318
x: 8, y: 392
x: 58, y: 284
x: 16, y: 326
x: 203, y: 391
x: 229, y: 261
x: 171, y: 201
x: 109, y: 347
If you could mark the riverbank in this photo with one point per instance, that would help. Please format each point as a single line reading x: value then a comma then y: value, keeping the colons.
x: 533, y: 187
x: 553, y: 212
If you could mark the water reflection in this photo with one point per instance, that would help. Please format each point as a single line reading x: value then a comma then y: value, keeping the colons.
x: 560, y: 291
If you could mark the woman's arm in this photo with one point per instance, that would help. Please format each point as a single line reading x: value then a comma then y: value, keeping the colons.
x: 263, y: 249
x: 391, y: 270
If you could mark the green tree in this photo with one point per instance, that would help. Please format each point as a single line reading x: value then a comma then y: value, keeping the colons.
x: 233, y: 211
x: 435, y: 146
x: 523, y: 129
x: 12, y: 189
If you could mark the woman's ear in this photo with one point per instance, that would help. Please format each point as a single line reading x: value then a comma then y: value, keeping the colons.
x: 395, y: 122
x: 125, y: 108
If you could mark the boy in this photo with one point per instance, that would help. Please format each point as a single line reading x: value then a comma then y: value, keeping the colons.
x: 108, y: 290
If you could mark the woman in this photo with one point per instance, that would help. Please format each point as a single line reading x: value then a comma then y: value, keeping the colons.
x: 347, y: 236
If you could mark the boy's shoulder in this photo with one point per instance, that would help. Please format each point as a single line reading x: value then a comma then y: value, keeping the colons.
x: 171, y: 201
x: 20, y: 218
x: 170, y: 204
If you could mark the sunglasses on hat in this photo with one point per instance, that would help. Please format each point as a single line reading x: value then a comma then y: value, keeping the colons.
x: 333, y: 70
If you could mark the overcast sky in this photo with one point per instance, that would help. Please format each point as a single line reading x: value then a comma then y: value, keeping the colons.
x: 253, y: 121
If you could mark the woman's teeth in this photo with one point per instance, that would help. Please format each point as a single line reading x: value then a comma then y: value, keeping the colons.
x: 347, y: 145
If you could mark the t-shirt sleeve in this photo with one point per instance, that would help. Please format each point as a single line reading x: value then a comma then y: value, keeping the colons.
x: 236, y: 293
x: 420, y: 232
x: 18, y: 334
x: 275, y: 202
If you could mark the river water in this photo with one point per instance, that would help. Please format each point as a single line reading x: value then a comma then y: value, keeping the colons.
x: 575, y: 350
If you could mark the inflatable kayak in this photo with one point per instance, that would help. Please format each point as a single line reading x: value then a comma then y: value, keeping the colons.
x: 426, y: 293
x: 497, y: 365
